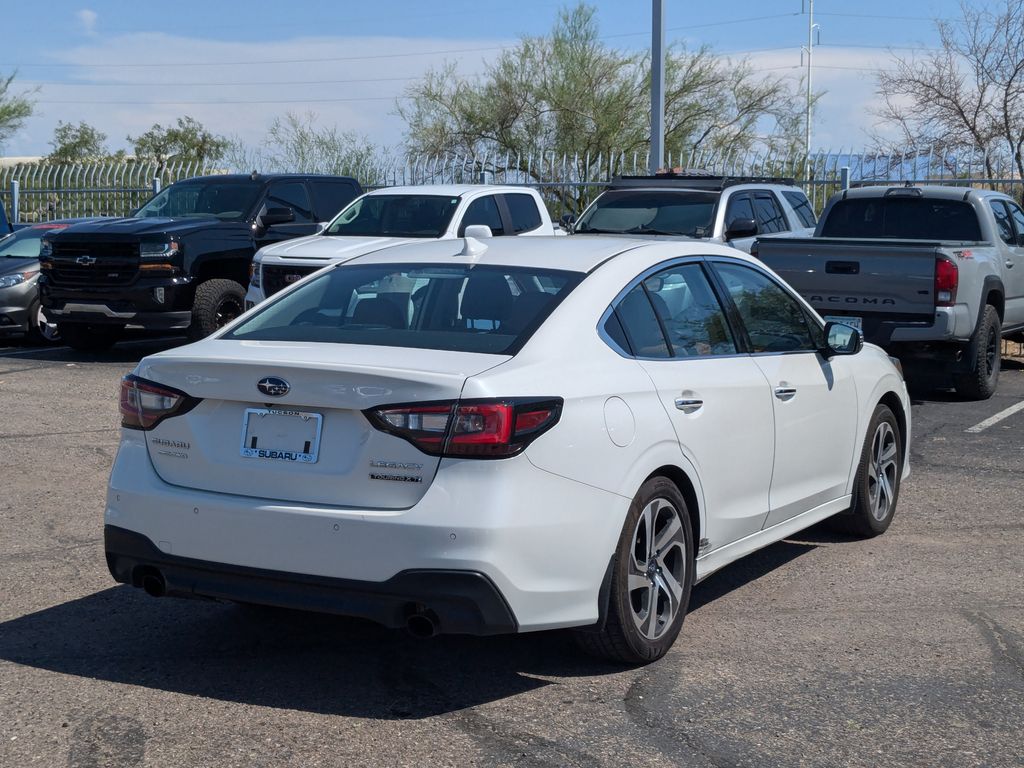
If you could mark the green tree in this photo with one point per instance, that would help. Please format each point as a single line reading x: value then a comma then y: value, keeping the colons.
x: 77, y: 143
x: 571, y: 94
x: 966, y: 95
x: 189, y: 140
x: 15, y: 108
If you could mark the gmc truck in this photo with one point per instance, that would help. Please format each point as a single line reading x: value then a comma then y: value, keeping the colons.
x: 931, y: 274
x: 183, y: 260
x: 693, y: 204
x: 396, y: 215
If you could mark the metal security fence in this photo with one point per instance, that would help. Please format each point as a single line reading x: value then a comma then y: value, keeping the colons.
x: 36, y: 192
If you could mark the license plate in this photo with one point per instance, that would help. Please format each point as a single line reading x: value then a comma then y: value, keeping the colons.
x: 279, y: 434
x: 853, y: 322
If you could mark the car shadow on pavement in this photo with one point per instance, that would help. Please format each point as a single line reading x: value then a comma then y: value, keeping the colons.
x: 129, y: 351
x: 747, y: 569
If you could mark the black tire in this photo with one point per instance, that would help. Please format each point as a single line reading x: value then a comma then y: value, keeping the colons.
x: 623, y: 638
x: 980, y: 383
x: 217, y: 303
x: 89, y: 338
x: 881, y: 456
x: 39, y: 331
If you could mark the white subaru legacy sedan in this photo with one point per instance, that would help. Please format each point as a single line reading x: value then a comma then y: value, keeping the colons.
x: 508, y: 436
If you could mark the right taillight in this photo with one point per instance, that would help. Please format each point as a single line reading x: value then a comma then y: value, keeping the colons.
x: 144, y: 404
x: 947, y: 278
x: 482, y: 429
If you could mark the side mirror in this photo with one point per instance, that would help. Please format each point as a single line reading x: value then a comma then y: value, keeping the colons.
x: 740, y: 228
x: 842, y: 339
x: 567, y: 221
x: 268, y: 217
x: 477, y: 231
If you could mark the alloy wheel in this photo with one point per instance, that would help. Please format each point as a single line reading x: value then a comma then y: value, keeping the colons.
x: 227, y: 311
x: 657, y: 568
x: 883, y: 465
x: 46, y: 329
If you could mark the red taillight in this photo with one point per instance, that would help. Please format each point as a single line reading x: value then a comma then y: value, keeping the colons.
x: 469, y: 428
x: 947, y: 278
x: 144, y: 404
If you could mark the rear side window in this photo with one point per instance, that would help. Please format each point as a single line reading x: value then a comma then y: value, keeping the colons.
x: 1003, y: 225
x: 329, y: 197
x: 291, y: 194
x: 1018, y: 221
x: 486, y: 309
x: 690, y: 312
x: 902, y: 218
x: 483, y: 210
x: 524, y: 213
x: 769, y: 214
x: 802, y: 206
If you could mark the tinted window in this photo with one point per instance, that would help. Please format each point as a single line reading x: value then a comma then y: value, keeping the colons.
x: 740, y: 207
x: 1018, y: 220
x: 651, y: 211
x: 290, y: 194
x: 774, y: 320
x: 329, y: 197
x: 425, y: 306
x: 1003, y: 225
x: 907, y: 218
x: 802, y: 207
x: 227, y: 200
x: 483, y: 210
x: 395, y: 216
x: 524, y: 213
x: 769, y: 214
x: 693, y: 318
x: 641, y: 325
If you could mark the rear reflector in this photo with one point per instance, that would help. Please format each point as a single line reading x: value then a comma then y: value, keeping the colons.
x: 483, y: 429
x: 144, y: 404
x: 947, y: 279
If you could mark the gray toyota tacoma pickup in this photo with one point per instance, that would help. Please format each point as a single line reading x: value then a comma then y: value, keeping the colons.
x: 931, y: 274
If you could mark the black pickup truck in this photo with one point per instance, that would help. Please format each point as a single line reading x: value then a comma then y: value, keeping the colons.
x: 183, y: 260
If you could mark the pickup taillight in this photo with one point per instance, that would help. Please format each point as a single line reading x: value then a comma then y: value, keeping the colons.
x: 947, y: 278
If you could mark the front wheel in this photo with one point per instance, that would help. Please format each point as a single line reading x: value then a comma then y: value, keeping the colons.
x: 652, y: 575
x: 41, y: 330
x: 877, y: 487
x: 217, y: 303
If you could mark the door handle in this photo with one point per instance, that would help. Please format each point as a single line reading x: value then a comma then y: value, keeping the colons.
x: 1009, y: 264
x: 785, y: 393
x: 689, y: 404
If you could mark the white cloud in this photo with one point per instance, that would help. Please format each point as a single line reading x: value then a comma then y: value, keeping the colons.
x: 87, y: 21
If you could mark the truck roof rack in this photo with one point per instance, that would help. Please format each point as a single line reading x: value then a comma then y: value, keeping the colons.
x: 693, y: 179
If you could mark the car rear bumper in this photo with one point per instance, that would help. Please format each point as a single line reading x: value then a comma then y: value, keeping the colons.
x: 459, y: 602
x: 542, y: 541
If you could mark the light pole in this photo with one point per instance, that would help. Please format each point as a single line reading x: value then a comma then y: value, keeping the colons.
x: 657, y: 155
x: 809, y: 49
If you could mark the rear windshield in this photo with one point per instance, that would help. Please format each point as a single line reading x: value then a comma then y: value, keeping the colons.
x: 396, y: 216
x: 651, y: 212
x: 903, y: 218
x: 461, y: 308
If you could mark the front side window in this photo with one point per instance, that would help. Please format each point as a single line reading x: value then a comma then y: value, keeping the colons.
x: 693, y: 319
x: 483, y: 210
x: 290, y: 194
x: 395, y: 216
x: 652, y: 212
x: 1003, y: 225
x: 229, y: 200
x: 740, y: 207
x: 768, y: 214
x: 330, y: 196
x: 774, y: 320
x: 488, y: 309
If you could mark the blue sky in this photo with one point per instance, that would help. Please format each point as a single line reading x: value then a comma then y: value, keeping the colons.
x: 235, y: 66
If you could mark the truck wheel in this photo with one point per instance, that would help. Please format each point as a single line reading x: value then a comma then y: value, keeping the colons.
x: 40, y: 330
x: 876, y: 488
x: 89, y: 338
x: 217, y: 303
x: 980, y: 383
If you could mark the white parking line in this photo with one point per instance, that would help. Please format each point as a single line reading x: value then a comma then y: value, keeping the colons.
x: 981, y: 426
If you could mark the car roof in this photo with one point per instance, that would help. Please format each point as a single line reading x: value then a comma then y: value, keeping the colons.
x: 448, y: 190
x: 263, y: 177
x: 577, y: 253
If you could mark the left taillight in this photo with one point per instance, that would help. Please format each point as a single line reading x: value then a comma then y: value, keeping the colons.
x: 144, y: 404
x: 481, y: 429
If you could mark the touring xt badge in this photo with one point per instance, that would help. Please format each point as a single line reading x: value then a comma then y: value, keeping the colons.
x: 380, y: 471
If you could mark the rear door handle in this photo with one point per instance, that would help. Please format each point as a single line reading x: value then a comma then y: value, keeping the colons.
x: 689, y: 404
x: 1009, y: 264
x: 785, y: 393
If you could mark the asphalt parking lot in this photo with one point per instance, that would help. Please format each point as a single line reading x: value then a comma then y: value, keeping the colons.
x: 818, y: 651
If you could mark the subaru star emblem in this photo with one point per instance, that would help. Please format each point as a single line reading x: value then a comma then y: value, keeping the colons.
x: 273, y: 386
x: 86, y: 261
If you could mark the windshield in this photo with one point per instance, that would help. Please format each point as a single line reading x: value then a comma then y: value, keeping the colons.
x: 903, y: 218
x: 653, y: 212
x: 228, y: 200
x: 462, y: 308
x: 395, y: 216
x: 23, y: 244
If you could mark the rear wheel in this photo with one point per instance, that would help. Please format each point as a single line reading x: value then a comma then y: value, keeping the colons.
x: 40, y: 330
x: 877, y: 487
x: 89, y: 338
x: 217, y: 303
x: 652, y: 575
x: 980, y: 383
